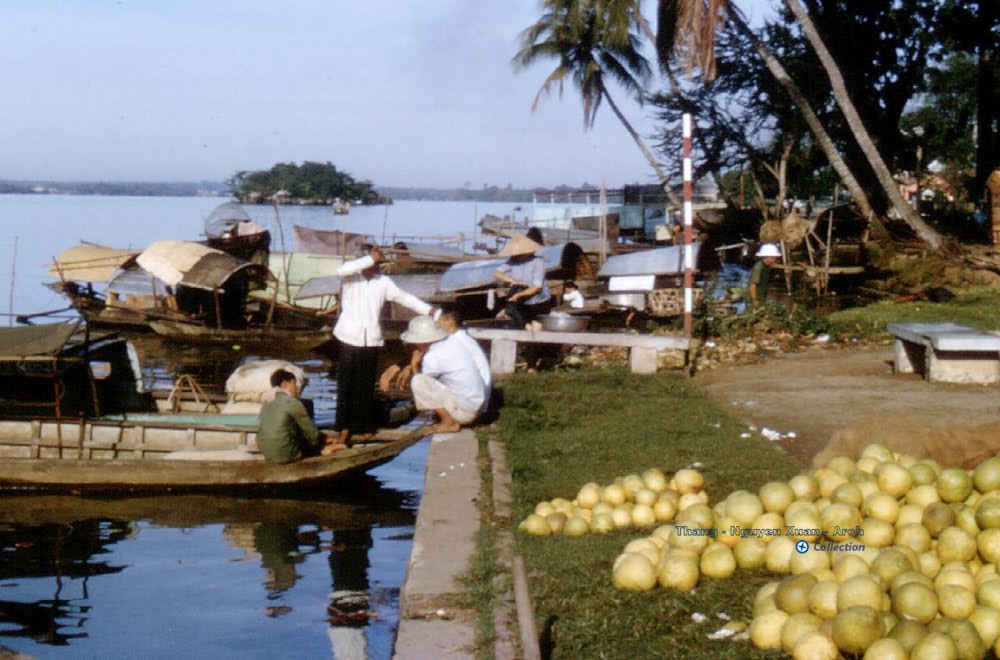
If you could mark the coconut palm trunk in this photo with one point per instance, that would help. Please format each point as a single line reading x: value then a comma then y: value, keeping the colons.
x: 650, y: 157
x: 823, y: 138
x: 861, y: 135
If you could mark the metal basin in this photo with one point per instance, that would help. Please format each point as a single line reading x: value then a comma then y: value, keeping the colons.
x: 628, y: 300
x: 564, y: 323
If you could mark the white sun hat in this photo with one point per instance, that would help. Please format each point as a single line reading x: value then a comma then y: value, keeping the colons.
x: 422, y: 330
x: 768, y: 250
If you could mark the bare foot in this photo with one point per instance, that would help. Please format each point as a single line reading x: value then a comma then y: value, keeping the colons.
x: 332, y: 448
x: 441, y: 427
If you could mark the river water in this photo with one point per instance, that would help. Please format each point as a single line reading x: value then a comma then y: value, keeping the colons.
x: 203, y: 576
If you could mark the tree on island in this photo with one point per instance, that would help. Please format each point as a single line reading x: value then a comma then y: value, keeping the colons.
x: 308, y: 183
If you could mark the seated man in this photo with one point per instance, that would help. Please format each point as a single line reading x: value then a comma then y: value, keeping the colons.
x: 285, y: 432
x: 450, y: 321
x: 445, y: 376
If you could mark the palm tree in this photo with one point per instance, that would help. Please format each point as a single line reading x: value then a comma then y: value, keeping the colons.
x: 689, y: 26
x: 591, y: 42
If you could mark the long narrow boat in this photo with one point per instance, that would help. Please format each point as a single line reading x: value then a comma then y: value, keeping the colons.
x: 191, y: 332
x: 168, y: 452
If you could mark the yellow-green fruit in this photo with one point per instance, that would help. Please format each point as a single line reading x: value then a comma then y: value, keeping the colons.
x: 688, y: 481
x: 829, y: 481
x: 923, y: 495
x: 857, y: 628
x: 986, y: 476
x: 575, y: 526
x: 556, y: 521
x: 795, y: 626
x: 589, y: 495
x: 806, y: 525
x: 744, y: 508
x: 915, y: 602
x: 779, y: 554
x: 809, y: 562
x: 847, y: 566
x: 823, y: 599
x: 839, y: 521
x: 891, y: 562
x: 664, y: 510
x: 643, y: 516
x: 634, y: 572
x: 877, y: 533
x: 968, y: 644
x: 909, y: 515
x: 842, y: 465
x: 935, y: 646
x: 602, y: 523
x: 699, y: 514
x: 765, y: 630
x: 954, y: 485
x: 956, y: 602
x: 693, y: 538
x: 879, y: 452
x: 988, y: 543
x: 956, y: 577
x: 914, y: 536
x: 886, y: 649
x: 646, y: 496
x: 655, y: 480
x: 535, y: 525
x: 937, y: 517
x: 717, y: 561
x: 988, y: 513
x: 792, y: 594
x: 965, y: 519
x: 893, y: 479
x: 678, y: 572
x: 922, y: 473
x: 815, y: 646
x: 621, y: 516
x: 805, y: 487
x: 848, y: 494
x: 930, y: 565
x: 614, y: 495
x: 987, y: 623
x: 750, y: 553
x: 860, y: 590
x: 955, y: 544
x: 776, y: 496
x: 908, y: 577
x: 908, y: 633
x: 881, y: 506
x: 988, y: 594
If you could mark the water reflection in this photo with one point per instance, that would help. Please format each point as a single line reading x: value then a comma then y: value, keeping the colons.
x: 69, y: 566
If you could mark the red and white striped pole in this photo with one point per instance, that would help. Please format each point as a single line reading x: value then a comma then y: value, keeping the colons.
x: 688, y: 230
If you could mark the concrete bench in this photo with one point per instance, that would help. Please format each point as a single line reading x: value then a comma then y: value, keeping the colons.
x: 946, y: 352
x: 642, y: 353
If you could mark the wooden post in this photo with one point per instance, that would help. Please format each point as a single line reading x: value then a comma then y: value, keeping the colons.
x: 688, y: 231
x: 503, y: 356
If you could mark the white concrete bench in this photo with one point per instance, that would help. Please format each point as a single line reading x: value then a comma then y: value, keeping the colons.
x: 642, y: 353
x: 946, y: 352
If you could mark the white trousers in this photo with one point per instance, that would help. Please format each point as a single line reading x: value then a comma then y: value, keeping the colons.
x: 431, y: 394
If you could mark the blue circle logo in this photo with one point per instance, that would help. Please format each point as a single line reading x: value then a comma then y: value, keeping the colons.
x: 802, y: 547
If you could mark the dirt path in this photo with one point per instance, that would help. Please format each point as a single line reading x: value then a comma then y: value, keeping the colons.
x: 816, y: 392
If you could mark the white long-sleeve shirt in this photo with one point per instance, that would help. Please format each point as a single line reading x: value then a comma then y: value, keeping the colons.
x: 361, y: 302
x: 478, y: 356
x: 451, y: 363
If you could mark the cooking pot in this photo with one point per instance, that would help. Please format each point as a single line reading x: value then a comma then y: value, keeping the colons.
x: 564, y: 323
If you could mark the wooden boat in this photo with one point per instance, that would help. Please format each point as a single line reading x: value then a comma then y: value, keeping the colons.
x: 193, y: 332
x: 154, y: 451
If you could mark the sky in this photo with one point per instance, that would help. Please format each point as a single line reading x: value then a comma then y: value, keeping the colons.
x: 399, y: 92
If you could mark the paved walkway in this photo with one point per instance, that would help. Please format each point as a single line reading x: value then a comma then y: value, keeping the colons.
x: 430, y: 624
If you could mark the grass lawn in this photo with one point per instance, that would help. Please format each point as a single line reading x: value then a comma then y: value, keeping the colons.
x: 563, y: 429
x: 977, y: 308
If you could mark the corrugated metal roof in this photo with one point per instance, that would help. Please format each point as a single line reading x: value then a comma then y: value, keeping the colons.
x: 193, y: 265
x: 659, y: 261
x: 479, y: 273
x: 136, y: 282
x: 224, y: 218
x: 90, y: 263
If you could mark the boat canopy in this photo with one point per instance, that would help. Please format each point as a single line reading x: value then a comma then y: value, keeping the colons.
x: 224, y: 218
x: 479, y: 273
x: 431, y: 252
x: 194, y: 265
x: 421, y: 285
x: 659, y: 261
x: 136, y: 282
x: 90, y: 263
x: 328, y: 241
x: 35, y: 340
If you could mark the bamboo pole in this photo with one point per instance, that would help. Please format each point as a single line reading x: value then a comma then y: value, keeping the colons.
x: 13, y: 275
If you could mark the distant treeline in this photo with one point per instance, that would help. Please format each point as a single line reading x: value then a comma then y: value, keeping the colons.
x: 116, y: 188
x: 308, y: 183
x: 485, y: 194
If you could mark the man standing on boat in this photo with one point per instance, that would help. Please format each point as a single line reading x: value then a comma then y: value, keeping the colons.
x: 363, y: 292
x: 286, y: 433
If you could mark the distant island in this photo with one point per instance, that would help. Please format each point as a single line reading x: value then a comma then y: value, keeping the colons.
x: 309, y: 183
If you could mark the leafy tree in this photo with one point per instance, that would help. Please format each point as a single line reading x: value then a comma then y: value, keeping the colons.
x: 311, y: 182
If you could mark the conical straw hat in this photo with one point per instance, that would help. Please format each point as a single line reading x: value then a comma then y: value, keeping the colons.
x: 518, y: 245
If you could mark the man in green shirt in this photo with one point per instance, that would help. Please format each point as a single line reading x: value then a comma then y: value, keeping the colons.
x: 285, y: 432
x: 760, y: 274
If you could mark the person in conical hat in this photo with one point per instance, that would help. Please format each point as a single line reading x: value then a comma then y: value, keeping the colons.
x: 524, y: 271
x: 760, y: 274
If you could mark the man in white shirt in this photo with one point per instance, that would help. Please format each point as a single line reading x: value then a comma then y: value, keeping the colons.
x: 451, y: 322
x: 363, y: 292
x: 445, y: 376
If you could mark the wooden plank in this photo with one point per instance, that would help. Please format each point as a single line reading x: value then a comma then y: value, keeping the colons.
x: 583, y: 338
